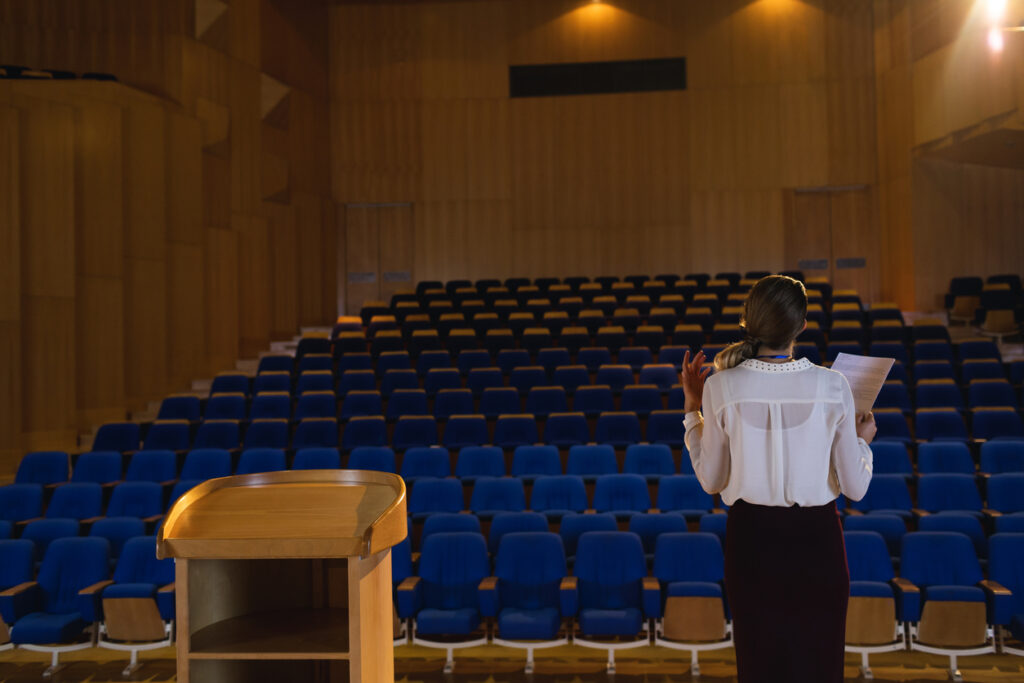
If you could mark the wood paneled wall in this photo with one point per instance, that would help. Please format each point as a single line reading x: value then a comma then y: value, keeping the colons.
x: 938, y: 82
x: 155, y: 231
x: 780, y: 95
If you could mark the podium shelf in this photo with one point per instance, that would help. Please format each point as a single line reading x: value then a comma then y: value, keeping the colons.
x: 281, y: 634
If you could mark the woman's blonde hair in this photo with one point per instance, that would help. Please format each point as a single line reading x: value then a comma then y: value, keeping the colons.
x: 773, y: 316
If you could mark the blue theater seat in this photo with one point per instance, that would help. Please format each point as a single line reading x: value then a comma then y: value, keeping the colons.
x: 530, y: 596
x: 689, y: 569
x: 425, y: 461
x: 256, y: 460
x: 479, y: 461
x: 624, y: 495
x: 46, y: 615
x: 683, y: 494
x: 117, y: 436
x: 619, y: 429
x: 610, y: 569
x: 19, y: 502
x: 430, y: 496
x: 442, y: 600
x: 266, y: 434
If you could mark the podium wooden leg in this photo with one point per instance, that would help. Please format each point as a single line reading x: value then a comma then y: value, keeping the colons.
x: 371, y: 642
x: 181, y: 618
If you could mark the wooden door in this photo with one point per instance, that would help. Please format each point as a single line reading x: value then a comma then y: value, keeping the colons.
x: 378, y: 253
x: 830, y: 232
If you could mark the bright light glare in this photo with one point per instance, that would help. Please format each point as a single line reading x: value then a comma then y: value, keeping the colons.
x: 995, y: 39
x: 996, y: 9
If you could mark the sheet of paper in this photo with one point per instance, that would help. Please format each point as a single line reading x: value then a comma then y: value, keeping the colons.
x: 866, y: 375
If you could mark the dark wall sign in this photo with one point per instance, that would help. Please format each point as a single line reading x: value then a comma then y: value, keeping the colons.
x: 597, y: 78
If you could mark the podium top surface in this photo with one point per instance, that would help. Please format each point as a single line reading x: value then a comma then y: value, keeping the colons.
x: 293, y: 514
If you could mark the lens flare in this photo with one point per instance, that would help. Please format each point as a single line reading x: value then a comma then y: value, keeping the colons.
x: 995, y: 39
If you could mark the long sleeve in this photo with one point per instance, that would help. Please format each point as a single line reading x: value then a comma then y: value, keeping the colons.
x: 708, y: 444
x: 852, y: 458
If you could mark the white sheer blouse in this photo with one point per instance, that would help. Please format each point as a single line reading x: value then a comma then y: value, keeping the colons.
x: 778, y: 434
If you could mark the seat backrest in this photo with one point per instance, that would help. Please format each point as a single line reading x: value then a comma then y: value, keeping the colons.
x: 451, y: 567
x: 937, y: 492
x: 117, y: 436
x: 1006, y: 492
x: 43, y: 467
x: 529, y: 566
x: 431, y: 495
x: 480, y: 461
x: 1006, y: 566
x: 576, y: 524
x: 648, y: 458
x: 21, y: 501
x: 591, y: 459
x: 498, y: 493
x: 868, y: 556
x: 138, y: 563
x: 944, y: 457
x: 682, y: 492
x: 962, y: 523
x: 939, y: 558
x: 16, y: 562
x: 610, y: 566
x: 42, y: 532
x: 558, y: 492
x: 70, y: 565
x: 316, y: 459
x: 379, y: 458
x: 261, y: 460
x: 206, y: 463
x: 152, y: 466
x: 117, y: 530
x: 682, y: 556
x: 98, y: 466
x: 510, y: 522
x: 885, y: 492
x: 426, y: 461
x: 136, y: 499
x: 444, y: 522
x: 890, y: 527
x: 649, y: 526
x: 621, y: 492
x: 76, y: 501
x: 536, y: 460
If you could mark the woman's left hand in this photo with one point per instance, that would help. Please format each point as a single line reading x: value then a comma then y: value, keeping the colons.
x: 692, y: 378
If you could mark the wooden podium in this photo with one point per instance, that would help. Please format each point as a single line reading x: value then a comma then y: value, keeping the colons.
x: 286, y: 576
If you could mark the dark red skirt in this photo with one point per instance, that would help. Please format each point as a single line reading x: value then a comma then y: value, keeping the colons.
x: 787, y: 583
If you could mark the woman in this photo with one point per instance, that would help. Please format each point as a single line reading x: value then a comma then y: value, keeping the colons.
x: 779, y: 439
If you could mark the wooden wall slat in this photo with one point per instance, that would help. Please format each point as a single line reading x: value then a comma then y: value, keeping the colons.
x: 10, y: 289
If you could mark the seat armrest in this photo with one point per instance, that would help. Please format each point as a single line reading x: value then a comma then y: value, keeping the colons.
x: 654, y: 511
x: 908, y: 599
x: 999, y: 601
x: 90, y: 600
x: 487, y: 592
x: 851, y: 512
x: 152, y: 519
x: 568, y: 596
x: 19, y: 600
x: 652, y: 597
x: 21, y: 524
x: 95, y: 588
x: 169, y: 588
x: 408, y: 596
x: 590, y: 511
x: 988, y: 512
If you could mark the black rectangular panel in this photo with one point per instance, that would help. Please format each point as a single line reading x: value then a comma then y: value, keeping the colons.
x: 597, y: 78
x: 854, y: 262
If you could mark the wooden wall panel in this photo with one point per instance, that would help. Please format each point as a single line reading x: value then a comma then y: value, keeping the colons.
x: 254, y: 301
x: 186, y: 314
x: 10, y: 289
x: 283, y: 269
x: 99, y: 245
x: 222, y: 312
x: 47, y: 209
x: 309, y: 221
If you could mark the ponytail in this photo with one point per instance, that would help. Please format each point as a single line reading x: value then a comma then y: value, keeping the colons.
x: 734, y: 354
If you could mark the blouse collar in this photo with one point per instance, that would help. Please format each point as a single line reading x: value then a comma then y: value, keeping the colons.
x: 764, y: 366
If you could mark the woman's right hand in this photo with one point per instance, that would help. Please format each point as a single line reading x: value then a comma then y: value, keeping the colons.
x: 692, y: 378
x: 866, y: 427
